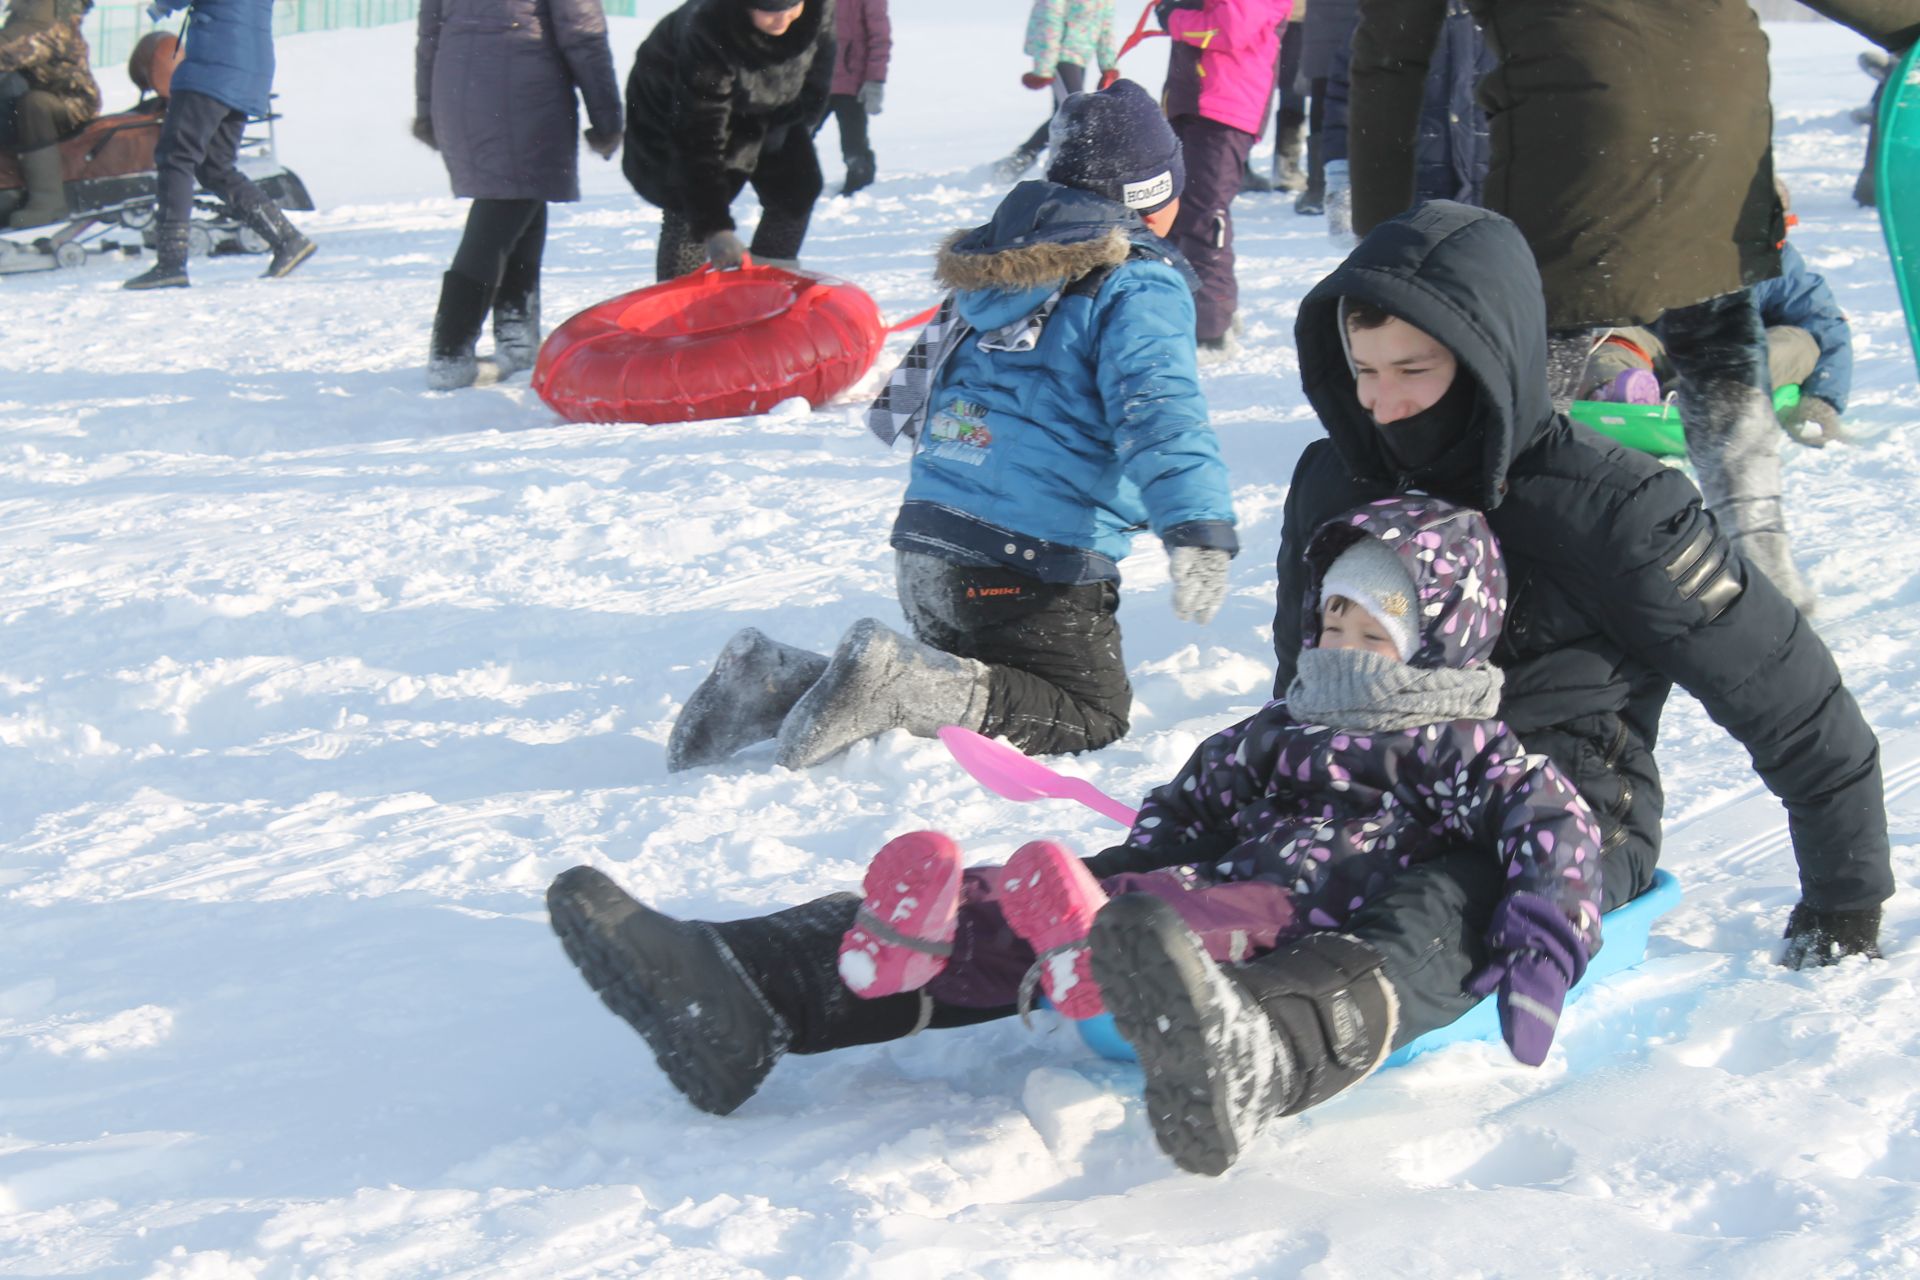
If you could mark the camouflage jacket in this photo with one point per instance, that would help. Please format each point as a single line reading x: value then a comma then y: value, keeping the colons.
x: 41, y: 40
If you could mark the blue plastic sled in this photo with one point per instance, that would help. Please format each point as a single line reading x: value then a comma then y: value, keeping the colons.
x: 1625, y: 929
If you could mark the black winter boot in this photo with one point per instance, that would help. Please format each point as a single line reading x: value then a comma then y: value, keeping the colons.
x: 516, y: 306
x: 754, y: 683
x: 719, y: 1004
x: 1225, y: 1050
x: 46, y: 189
x: 169, y: 269
x: 259, y: 212
x: 861, y: 170
x: 464, y: 302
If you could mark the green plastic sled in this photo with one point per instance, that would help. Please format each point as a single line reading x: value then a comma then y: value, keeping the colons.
x: 1897, y: 185
x: 1652, y: 428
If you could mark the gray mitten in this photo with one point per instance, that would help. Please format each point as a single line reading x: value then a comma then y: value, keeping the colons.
x: 1199, y: 581
x: 725, y: 250
x: 423, y: 131
x: 1813, y: 422
x: 871, y: 95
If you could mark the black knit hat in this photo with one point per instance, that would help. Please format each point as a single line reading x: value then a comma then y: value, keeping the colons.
x: 1117, y: 143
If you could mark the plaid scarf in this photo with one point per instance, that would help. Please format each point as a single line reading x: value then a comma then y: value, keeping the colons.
x: 901, y: 407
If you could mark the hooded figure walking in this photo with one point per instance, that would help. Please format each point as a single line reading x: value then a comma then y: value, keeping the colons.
x: 723, y: 94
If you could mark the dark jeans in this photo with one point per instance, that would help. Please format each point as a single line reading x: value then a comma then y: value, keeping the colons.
x: 503, y: 245
x: 852, y: 119
x: 787, y: 180
x: 1317, y: 136
x: 1292, y: 110
x: 1233, y: 921
x: 1068, y: 78
x: 200, y: 139
x: 1058, y: 680
x: 1203, y: 230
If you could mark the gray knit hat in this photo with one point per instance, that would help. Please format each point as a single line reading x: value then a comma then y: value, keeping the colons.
x: 1370, y: 574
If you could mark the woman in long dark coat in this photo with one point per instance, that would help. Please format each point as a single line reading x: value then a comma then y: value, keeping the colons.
x: 494, y: 85
x: 725, y: 93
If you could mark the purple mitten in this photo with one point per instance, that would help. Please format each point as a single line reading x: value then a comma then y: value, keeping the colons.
x: 1537, y: 956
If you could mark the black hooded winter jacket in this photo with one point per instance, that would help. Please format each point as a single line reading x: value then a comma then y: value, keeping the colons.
x: 709, y: 92
x: 1621, y: 584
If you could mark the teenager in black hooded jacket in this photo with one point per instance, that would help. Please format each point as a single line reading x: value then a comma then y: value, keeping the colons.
x: 724, y: 93
x: 1621, y: 586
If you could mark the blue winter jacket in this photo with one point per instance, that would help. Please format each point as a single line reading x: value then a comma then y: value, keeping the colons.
x: 229, y: 52
x: 1799, y: 296
x: 1047, y: 459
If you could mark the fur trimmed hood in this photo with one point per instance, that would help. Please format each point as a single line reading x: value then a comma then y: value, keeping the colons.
x: 1043, y: 236
x: 1026, y: 266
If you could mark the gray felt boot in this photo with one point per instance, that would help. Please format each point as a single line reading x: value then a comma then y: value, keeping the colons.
x: 754, y: 683
x: 1733, y: 441
x: 880, y: 680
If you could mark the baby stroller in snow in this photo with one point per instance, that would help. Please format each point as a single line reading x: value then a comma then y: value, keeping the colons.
x: 110, y: 180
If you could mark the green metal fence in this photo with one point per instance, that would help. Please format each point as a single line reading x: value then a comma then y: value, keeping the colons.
x: 115, y: 26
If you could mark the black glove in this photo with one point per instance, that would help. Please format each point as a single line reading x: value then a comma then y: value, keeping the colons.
x: 423, y: 130
x: 1816, y: 938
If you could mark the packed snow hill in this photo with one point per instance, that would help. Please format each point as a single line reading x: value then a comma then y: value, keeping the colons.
x: 313, y: 680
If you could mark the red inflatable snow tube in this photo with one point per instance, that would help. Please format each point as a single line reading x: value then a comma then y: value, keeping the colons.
x: 714, y: 344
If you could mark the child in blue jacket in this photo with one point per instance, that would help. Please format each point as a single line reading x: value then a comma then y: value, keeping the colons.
x: 224, y: 79
x: 1055, y: 409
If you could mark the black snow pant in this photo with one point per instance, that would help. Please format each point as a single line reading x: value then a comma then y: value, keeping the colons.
x: 200, y: 139
x: 26, y: 115
x: 788, y: 181
x: 852, y: 120
x: 1057, y: 681
x: 1216, y: 156
x: 1068, y: 79
x: 502, y: 247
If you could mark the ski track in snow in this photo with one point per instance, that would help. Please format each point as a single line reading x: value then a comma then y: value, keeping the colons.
x: 312, y: 681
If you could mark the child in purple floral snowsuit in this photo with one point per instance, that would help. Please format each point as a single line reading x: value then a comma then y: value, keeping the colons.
x: 1385, y: 751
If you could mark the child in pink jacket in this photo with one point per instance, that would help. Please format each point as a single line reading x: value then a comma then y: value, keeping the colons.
x: 865, y: 35
x: 1219, y: 79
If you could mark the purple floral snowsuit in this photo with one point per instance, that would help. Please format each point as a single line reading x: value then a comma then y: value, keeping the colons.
x: 1276, y: 828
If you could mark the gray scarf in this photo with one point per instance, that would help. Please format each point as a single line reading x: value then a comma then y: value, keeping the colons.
x: 1359, y: 691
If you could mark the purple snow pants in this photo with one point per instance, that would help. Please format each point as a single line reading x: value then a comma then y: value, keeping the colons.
x: 1235, y: 921
x: 1216, y: 156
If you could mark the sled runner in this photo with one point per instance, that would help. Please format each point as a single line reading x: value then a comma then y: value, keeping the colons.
x: 713, y: 344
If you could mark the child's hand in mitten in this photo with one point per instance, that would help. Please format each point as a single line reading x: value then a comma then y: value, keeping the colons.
x: 1199, y: 581
x: 1034, y: 80
x: 1537, y: 957
x: 1813, y: 422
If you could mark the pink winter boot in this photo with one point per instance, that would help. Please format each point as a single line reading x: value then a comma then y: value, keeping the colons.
x: 903, y: 933
x: 1050, y: 898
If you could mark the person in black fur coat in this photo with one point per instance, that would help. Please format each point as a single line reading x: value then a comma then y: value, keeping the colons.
x: 725, y: 93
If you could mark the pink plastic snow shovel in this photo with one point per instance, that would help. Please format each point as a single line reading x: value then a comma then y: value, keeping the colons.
x: 1005, y: 772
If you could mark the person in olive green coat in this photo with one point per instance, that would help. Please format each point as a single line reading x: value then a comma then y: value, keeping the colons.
x: 1632, y: 145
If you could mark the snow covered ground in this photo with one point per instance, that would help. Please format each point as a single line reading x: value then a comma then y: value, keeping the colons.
x: 310, y: 681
